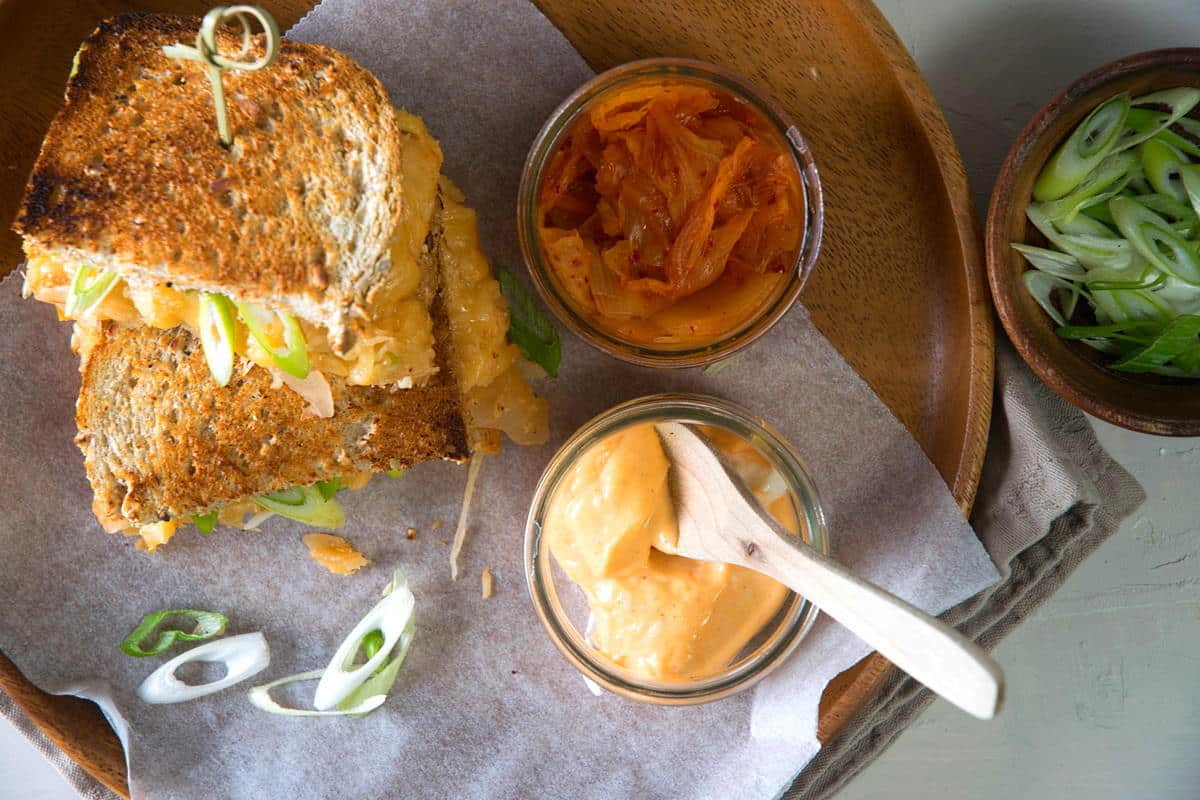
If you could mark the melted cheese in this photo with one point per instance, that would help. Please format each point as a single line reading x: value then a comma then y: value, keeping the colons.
x: 488, y: 368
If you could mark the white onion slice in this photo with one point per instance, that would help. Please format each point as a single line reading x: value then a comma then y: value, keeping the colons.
x: 243, y: 656
x: 393, y: 617
x: 260, y: 696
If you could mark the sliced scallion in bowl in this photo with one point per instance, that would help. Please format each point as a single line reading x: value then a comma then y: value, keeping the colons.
x: 1118, y: 204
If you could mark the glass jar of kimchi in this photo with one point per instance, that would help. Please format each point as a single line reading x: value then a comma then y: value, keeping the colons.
x: 669, y: 212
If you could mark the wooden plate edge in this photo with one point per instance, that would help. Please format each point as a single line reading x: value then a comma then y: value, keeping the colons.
x: 866, y: 677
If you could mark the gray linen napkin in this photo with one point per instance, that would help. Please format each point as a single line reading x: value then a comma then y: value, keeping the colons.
x: 1049, y: 496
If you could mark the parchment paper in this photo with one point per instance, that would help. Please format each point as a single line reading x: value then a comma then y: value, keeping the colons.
x: 485, y: 706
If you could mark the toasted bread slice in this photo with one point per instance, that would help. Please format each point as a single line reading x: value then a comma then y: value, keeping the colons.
x: 302, y: 214
x: 161, y: 443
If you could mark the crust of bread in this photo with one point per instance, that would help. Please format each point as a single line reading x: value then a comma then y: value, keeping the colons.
x: 160, y: 442
x: 297, y: 214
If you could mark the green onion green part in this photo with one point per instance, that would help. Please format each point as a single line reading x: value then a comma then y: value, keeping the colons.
x: 1161, y: 163
x: 88, y: 288
x: 207, y: 624
x: 205, y: 522
x: 1083, y: 150
x: 305, y: 504
x: 1120, y: 218
x: 329, y: 488
x: 217, y: 334
x: 291, y: 355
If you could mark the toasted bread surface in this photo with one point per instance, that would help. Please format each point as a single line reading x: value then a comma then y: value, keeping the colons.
x: 297, y: 214
x: 160, y: 442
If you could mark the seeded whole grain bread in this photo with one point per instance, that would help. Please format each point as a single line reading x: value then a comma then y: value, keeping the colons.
x: 160, y: 442
x: 296, y: 215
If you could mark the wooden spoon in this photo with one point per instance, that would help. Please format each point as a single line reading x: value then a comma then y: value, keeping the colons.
x: 720, y: 520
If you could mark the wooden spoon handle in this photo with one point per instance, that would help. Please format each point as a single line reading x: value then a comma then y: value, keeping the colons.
x: 923, y: 646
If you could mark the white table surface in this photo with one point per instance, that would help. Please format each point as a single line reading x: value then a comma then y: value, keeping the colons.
x: 1103, y: 700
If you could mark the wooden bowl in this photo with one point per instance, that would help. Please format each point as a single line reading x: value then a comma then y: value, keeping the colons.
x: 1146, y: 403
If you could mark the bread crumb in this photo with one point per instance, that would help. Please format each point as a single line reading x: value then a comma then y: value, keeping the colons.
x: 437, y: 523
x: 334, y: 553
x: 410, y: 534
x: 486, y: 580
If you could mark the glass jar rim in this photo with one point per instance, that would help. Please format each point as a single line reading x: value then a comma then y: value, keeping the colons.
x: 565, y: 635
x: 547, y: 141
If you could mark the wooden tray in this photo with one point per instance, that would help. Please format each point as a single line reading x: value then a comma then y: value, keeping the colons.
x: 899, y: 287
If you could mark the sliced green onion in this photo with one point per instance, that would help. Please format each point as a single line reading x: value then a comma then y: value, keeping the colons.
x: 243, y: 657
x: 1180, y: 100
x: 260, y: 696
x: 1177, y: 336
x: 395, y: 473
x: 1106, y: 181
x: 1161, y: 163
x: 1085, y: 226
x: 207, y: 625
x: 1130, y: 304
x: 345, y: 682
x: 1167, y: 206
x: 1190, y: 175
x: 1111, y: 280
x: 371, y: 644
x: 1060, y: 265
x: 1091, y: 250
x: 1142, y: 120
x: 88, y: 288
x: 217, y: 334
x: 329, y: 488
x: 1042, y: 286
x: 205, y: 522
x: 292, y: 355
x: 1100, y: 213
x: 305, y: 504
x: 1155, y: 240
x: 1084, y: 149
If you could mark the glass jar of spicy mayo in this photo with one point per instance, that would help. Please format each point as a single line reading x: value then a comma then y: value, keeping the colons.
x: 630, y: 615
x: 669, y: 212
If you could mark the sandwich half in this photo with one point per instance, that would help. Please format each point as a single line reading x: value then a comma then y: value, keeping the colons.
x: 307, y: 232
x: 333, y: 201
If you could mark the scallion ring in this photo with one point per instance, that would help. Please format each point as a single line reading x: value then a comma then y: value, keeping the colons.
x: 1153, y: 237
x: 347, y: 682
x: 206, y: 625
x: 217, y: 335
x: 260, y: 696
x: 205, y: 522
x: 243, y: 657
x: 291, y: 355
x: 1161, y: 164
x: 1084, y: 149
x: 305, y: 504
x: 1105, y: 182
x: 88, y: 287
